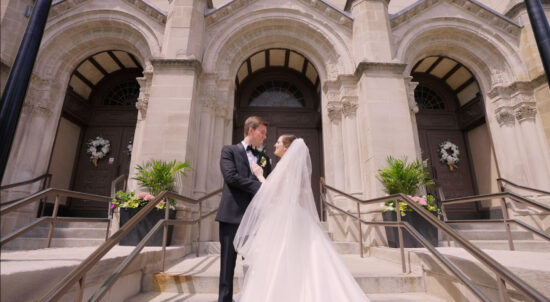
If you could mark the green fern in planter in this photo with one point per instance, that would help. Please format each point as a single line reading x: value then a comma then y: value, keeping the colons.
x: 403, y: 177
x: 159, y: 175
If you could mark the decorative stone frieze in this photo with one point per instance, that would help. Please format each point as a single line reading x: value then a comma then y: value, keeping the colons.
x: 504, y: 116
x: 476, y: 9
x: 59, y: 7
x: 349, y: 106
x: 525, y: 111
x: 334, y: 111
x: 144, y: 90
x: 339, y: 16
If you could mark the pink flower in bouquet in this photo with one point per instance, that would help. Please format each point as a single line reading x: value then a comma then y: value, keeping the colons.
x: 149, y: 197
x: 142, y: 195
x: 112, y: 205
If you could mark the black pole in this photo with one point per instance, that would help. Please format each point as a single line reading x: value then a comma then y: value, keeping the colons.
x: 541, y: 29
x: 18, y: 80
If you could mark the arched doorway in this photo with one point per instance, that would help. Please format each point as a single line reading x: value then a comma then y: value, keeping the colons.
x: 281, y: 86
x: 99, y: 105
x: 451, y: 110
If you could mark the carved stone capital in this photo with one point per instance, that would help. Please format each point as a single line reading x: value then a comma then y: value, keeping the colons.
x: 525, y: 111
x: 349, y: 106
x: 504, y: 116
x: 411, y: 86
x: 223, y: 111
x: 334, y: 111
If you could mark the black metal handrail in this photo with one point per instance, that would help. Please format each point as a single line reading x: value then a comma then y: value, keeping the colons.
x: 77, y: 275
x: 503, y: 275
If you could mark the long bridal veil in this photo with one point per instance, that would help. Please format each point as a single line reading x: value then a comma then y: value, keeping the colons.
x: 286, y: 253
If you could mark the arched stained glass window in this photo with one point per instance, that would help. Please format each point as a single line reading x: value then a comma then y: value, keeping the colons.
x: 276, y: 93
x: 428, y: 99
x: 125, y: 94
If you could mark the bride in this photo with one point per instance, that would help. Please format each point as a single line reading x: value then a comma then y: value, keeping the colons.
x: 286, y: 254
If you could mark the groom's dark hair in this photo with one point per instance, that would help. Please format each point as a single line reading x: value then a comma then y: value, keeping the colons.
x: 253, y: 122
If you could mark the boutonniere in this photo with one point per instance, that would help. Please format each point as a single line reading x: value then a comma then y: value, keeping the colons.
x: 263, y: 161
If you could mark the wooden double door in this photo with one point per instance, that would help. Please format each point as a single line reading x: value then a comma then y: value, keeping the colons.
x: 440, y: 119
x: 303, y: 119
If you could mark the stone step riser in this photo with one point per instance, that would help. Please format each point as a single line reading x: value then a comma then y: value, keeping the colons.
x: 40, y: 243
x: 342, y: 248
x: 519, y: 245
x: 189, y: 284
x: 491, y: 235
x: 92, y: 233
x: 175, y: 297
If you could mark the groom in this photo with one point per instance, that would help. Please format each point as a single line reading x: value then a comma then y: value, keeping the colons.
x: 239, y: 187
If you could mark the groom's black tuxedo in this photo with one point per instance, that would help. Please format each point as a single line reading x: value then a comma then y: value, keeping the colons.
x: 239, y: 188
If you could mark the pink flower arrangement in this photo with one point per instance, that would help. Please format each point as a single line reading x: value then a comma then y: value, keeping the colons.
x: 418, y: 199
x: 146, y: 196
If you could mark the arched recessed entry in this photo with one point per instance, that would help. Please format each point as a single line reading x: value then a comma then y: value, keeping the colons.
x: 451, y: 109
x: 99, y: 102
x: 281, y: 86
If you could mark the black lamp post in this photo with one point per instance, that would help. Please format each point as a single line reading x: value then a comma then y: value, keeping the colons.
x: 541, y: 29
x: 14, y: 93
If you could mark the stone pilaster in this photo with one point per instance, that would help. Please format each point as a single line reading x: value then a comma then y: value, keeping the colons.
x: 184, y: 33
x: 523, y: 153
x: 372, y: 38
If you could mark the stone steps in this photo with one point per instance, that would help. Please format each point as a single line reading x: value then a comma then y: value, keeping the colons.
x: 66, y: 234
x: 177, y: 297
x: 200, y: 275
x: 519, y: 245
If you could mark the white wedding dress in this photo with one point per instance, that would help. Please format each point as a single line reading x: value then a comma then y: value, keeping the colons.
x: 287, y: 256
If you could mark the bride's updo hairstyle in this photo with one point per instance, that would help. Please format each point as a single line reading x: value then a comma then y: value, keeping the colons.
x: 287, y: 139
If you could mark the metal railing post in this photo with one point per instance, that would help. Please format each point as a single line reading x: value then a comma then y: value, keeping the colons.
x: 80, y: 289
x: 165, y: 231
x: 359, y: 224
x: 199, y: 231
x: 504, y: 209
x: 502, y: 295
x: 400, y: 233
x: 52, y: 223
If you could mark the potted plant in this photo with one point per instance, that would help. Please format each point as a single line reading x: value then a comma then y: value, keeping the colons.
x: 156, y: 176
x: 407, y: 178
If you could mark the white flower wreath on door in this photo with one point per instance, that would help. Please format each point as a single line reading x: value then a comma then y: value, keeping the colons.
x: 449, y: 154
x: 98, y: 148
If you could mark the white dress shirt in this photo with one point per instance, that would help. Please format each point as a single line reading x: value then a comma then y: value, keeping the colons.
x: 252, y: 159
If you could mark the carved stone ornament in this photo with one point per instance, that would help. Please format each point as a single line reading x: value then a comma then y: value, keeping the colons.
x: 411, y: 86
x: 504, y: 116
x: 334, y: 111
x: 349, y: 106
x: 144, y: 90
x: 525, y: 111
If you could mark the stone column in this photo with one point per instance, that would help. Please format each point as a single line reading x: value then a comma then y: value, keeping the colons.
x: 31, y: 148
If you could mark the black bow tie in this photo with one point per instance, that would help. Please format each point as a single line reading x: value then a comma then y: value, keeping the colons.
x: 253, y: 150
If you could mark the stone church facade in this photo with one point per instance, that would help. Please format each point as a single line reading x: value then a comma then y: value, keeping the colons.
x: 359, y: 80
